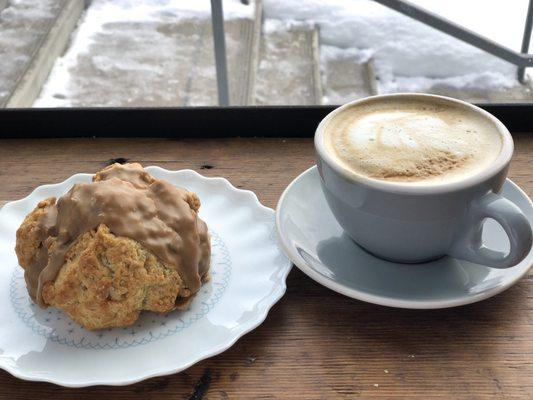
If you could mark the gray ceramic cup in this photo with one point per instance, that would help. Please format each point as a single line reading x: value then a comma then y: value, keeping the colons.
x: 410, y: 224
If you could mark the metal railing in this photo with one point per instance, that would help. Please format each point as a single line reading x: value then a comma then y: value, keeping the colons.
x: 521, y: 59
x: 217, y: 20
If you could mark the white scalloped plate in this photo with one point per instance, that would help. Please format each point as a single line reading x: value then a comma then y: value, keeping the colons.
x: 248, y: 278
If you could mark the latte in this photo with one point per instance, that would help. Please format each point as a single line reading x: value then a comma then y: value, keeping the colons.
x: 412, y: 141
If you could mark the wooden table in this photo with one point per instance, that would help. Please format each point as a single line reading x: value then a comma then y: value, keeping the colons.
x: 315, y: 344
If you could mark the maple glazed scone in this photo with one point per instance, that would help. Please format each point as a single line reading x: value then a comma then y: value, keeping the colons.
x: 109, y: 249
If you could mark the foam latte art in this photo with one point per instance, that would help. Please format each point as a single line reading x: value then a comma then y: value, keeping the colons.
x: 412, y: 141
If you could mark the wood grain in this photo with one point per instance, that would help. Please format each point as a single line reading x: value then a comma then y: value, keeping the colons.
x: 315, y: 344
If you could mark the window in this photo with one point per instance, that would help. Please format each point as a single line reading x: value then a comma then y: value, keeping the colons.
x: 161, y: 53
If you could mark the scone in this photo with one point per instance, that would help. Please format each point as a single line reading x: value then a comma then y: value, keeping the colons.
x: 109, y: 249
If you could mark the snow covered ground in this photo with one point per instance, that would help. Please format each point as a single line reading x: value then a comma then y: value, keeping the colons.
x: 408, y: 56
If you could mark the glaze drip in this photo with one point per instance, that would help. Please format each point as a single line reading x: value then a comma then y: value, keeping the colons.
x: 133, y: 204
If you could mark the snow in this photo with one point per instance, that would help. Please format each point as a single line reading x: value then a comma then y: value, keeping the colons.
x: 153, y: 47
x: 501, y: 21
x: 102, y: 12
x: 331, y: 52
x: 271, y: 26
x: 408, y: 55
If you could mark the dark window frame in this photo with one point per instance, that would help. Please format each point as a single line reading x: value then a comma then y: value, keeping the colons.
x: 197, y: 122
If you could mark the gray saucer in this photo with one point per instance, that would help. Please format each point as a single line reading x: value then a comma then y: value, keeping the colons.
x: 314, y: 241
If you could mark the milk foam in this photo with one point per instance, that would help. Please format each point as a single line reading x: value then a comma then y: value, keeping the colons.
x: 412, y: 141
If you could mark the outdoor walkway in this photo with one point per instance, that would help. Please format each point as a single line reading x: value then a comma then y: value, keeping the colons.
x: 169, y: 62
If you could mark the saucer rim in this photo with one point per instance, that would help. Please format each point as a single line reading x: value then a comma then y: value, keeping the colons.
x: 384, y: 300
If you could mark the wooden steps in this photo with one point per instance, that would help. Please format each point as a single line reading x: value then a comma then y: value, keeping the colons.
x: 178, y: 71
x: 346, y: 76
x: 288, y: 71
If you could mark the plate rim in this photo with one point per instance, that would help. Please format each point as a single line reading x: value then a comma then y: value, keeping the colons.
x: 279, y: 290
x: 376, y: 299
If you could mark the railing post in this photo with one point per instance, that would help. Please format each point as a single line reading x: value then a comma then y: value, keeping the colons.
x: 217, y: 19
x: 526, y: 39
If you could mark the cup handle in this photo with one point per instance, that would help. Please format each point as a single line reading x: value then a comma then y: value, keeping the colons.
x: 468, y: 246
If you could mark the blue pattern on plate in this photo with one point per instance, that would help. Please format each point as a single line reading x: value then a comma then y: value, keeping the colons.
x: 56, y: 326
